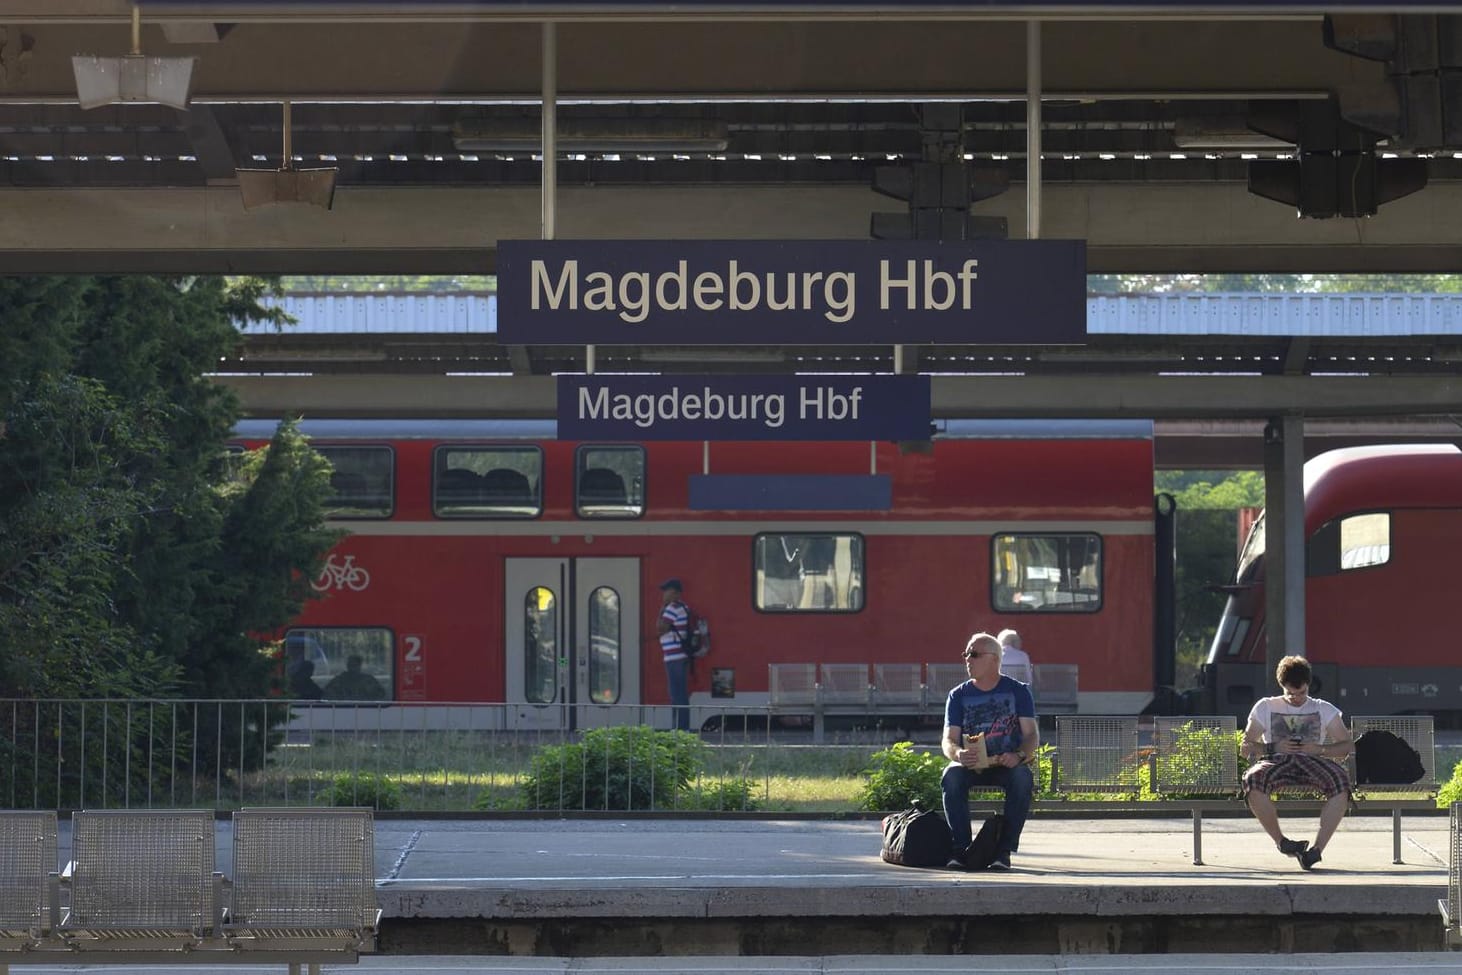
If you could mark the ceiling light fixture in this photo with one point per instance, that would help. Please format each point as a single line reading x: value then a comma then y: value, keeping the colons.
x: 132, y: 77
x: 603, y: 135
x: 264, y: 187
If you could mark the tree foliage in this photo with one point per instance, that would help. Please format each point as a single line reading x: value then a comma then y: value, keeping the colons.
x: 1275, y: 283
x: 135, y: 561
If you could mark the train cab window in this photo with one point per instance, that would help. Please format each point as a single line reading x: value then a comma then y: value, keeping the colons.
x: 488, y: 482
x: 362, y: 483
x: 1354, y: 542
x: 540, y: 646
x: 808, y: 573
x: 345, y: 663
x: 1046, y: 573
x: 604, y: 652
x: 609, y: 482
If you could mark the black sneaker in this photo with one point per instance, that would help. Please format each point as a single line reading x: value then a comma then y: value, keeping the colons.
x: 955, y: 863
x: 1309, y: 858
x: 1293, y: 848
x: 1002, y: 862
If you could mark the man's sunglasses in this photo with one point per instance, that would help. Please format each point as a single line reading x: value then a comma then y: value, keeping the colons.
x: 979, y: 653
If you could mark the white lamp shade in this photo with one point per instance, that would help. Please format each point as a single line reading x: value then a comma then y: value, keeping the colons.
x: 132, y: 78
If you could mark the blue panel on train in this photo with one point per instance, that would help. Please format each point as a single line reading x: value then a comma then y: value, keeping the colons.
x: 791, y: 492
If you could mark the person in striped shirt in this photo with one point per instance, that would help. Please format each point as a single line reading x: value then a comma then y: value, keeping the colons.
x: 673, y: 626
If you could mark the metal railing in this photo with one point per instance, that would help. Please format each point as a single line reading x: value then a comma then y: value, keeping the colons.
x: 120, y: 754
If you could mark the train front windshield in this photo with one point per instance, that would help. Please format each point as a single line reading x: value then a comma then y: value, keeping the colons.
x: 1238, y: 611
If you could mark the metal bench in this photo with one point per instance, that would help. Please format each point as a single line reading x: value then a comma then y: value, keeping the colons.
x: 303, y: 886
x: 143, y: 891
x: 1451, y: 905
x: 1095, y: 753
x: 29, y: 902
x: 1054, y: 687
x: 1199, y: 755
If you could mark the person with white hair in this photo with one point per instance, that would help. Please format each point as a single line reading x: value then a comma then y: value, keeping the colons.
x: 1014, y: 661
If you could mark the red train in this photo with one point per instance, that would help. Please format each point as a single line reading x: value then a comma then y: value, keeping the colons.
x: 489, y: 562
x: 1383, y: 528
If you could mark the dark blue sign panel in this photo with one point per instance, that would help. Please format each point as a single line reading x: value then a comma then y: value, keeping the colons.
x: 743, y: 407
x: 819, y: 292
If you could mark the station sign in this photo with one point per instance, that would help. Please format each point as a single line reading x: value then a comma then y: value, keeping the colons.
x: 818, y: 292
x: 719, y: 407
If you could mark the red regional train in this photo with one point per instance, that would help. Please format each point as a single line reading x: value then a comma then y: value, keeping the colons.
x: 487, y: 561
x: 1383, y: 525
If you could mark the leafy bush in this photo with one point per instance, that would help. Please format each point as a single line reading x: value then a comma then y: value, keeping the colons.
x: 900, y: 776
x: 364, y: 789
x: 616, y: 768
x: 1451, y: 790
x: 1197, y: 755
x: 726, y: 795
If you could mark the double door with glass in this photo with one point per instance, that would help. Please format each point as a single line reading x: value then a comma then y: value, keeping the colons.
x: 572, y: 637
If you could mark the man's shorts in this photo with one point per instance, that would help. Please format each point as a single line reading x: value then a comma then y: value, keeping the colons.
x: 1271, y: 775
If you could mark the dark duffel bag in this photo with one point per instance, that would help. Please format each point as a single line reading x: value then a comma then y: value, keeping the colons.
x: 916, y: 838
x: 1384, y: 758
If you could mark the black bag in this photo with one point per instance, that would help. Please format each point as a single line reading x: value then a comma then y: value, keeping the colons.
x: 982, y: 849
x: 916, y: 838
x: 1383, y: 758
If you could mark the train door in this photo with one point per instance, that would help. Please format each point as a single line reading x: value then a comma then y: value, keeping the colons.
x: 573, y: 641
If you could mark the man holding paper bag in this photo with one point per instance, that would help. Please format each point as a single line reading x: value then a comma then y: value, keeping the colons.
x: 990, y: 737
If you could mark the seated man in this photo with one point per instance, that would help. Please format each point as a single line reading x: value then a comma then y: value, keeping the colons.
x: 1001, y: 709
x: 1300, y: 742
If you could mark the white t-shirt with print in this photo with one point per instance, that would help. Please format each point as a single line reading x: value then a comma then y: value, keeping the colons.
x: 1282, y: 720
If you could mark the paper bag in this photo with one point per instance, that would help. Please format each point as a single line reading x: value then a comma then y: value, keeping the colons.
x: 976, y: 744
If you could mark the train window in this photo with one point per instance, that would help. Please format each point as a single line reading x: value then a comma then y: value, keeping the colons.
x: 1357, y: 541
x: 361, y: 482
x: 540, y: 649
x: 1046, y: 573
x: 604, y: 654
x: 808, y: 573
x: 609, y: 482
x: 345, y: 663
x: 488, y: 482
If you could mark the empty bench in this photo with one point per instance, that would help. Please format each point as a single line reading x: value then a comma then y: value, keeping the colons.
x: 141, y: 889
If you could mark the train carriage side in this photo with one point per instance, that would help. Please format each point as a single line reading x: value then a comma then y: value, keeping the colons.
x: 540, y: 590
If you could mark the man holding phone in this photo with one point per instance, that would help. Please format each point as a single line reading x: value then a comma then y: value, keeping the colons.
x: 1298, y: 742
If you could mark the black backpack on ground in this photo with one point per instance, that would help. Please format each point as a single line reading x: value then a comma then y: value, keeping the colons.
x: 982, y: 849
x: 916, y: 838
x: 1383, y: 758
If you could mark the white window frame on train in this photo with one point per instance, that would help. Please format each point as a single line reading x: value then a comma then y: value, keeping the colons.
x: 328, y: 647
x: 1021, y: 584
x: 489, y: 463
x: 608, y: 499
x: 1358, y: 540
x: 808, y: 578
x: 364, y: 486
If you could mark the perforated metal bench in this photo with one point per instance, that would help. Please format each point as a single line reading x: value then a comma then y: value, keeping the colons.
x: 303, y: 886
x: 1451, y: 905
x: 143, y: 891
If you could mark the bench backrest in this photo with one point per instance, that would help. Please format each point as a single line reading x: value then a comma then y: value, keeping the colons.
x: 27, y: 859
x: 142, y: 869
x: 898, y: 685
x: 790, y: 685
x: 844, y: 683
x: 1054, y: 687
x: 1416, y: 730
x: 1195, y: 755
x: 304, y: 868
x: 1096, y: 753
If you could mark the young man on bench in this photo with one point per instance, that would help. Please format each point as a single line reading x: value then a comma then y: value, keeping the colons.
x: 1299, y: 742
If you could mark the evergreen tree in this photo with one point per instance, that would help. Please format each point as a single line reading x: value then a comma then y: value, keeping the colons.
x: 134, y: 560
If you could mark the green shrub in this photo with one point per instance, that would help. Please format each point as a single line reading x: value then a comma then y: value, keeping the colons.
x: 364, y: 789
x: 1451, y: 790
x: 615, y: 768
x: 726, y: 795
x: 900, y: 776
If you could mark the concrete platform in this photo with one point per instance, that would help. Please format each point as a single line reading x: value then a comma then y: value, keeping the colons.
x: 651, y: 887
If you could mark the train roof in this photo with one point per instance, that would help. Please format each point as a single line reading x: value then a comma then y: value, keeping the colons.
x: 518, y: 429
x: 1372, y: 478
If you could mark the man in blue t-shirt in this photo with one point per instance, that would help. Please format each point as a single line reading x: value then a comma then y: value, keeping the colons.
x: 1000, y: 708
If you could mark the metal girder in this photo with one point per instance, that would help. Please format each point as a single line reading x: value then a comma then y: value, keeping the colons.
x: 452, y: 230
x: 1143, y: 397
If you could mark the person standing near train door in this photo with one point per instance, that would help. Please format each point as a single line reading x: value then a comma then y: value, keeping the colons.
x: 673, y: 626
